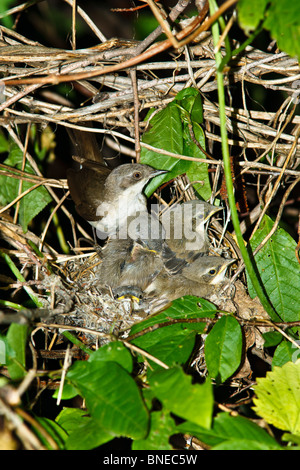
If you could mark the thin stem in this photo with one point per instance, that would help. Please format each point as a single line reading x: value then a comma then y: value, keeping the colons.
x: 228, y: 178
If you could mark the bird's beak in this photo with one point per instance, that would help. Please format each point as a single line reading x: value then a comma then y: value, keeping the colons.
x: 222, y: 271
x: 159, y: 172
x: 225, y: 265
x: 231, y: 261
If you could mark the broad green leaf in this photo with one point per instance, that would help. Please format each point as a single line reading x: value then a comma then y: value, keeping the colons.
x: 70, y: 418
x: 197, y: 171
x: 279, y: 270
x: 174, y: 344
x: 165, y: 133
x: 227, y: 429
x: 116, y: 352
x: 171, y: 345
x: 283, y: 22
x: 112, y: 397
x: 250, y: 14
x: 84, y: 433
x: 68, y: 392
x: 16, y: 350
x: 189, y: 401
x: 162, y: 426
x: 272, y: 338
x: 285, y: 352
x: 190, y: 100
x: 281, y: 18
x: 88, y: 435
x: 185, y: 307
x: 169, y: 130
x: 144, y: 25
x: 223, y: 348
x: 191, y: 113
x: 278, y: 397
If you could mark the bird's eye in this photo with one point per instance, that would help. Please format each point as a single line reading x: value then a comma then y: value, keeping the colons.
x: 212, y: 272
x: 137, y: 175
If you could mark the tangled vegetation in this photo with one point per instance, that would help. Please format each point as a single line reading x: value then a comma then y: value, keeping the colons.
x: 210, y: 92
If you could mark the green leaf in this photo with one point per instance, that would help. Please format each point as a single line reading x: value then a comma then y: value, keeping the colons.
x: 285, y: 352
x: 277, y: 266
x: 197, y: 171
x: 250, y: 14
x: 223, y: 348
x: 116, y: 352
x: 174, y: 344
x: 281, y: 18
x: 84, y: 432
x: 190, y: 100
x: 171, y: 345
x: 227, y: 430
x: 54, y: 430
x: 16, y: 354
x: 278, y: 397
x: 185, y: 307
x: 170, y: 131
x: 191, y: 114
x: 292, y: 438
x: 70, y: 418
x: 88, y: 435
x: 283, y: 21
x: 162, y: 426
x: 31, y: 204
x: 272, y: 338
x: 112, y: 397
x: 166, y: 134
x: 68, y: 392
x: 189, y: 401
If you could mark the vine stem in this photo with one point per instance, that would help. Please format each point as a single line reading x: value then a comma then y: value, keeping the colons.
x: 228, y: 178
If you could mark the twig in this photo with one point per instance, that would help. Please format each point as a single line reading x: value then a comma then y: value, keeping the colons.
x: 134, y: 348
x: 66, y: 365
x: 58, y: 205
x: 74, y: 8
x: 88, y: 21
x: 136, y: 114
x: 161, y: 47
